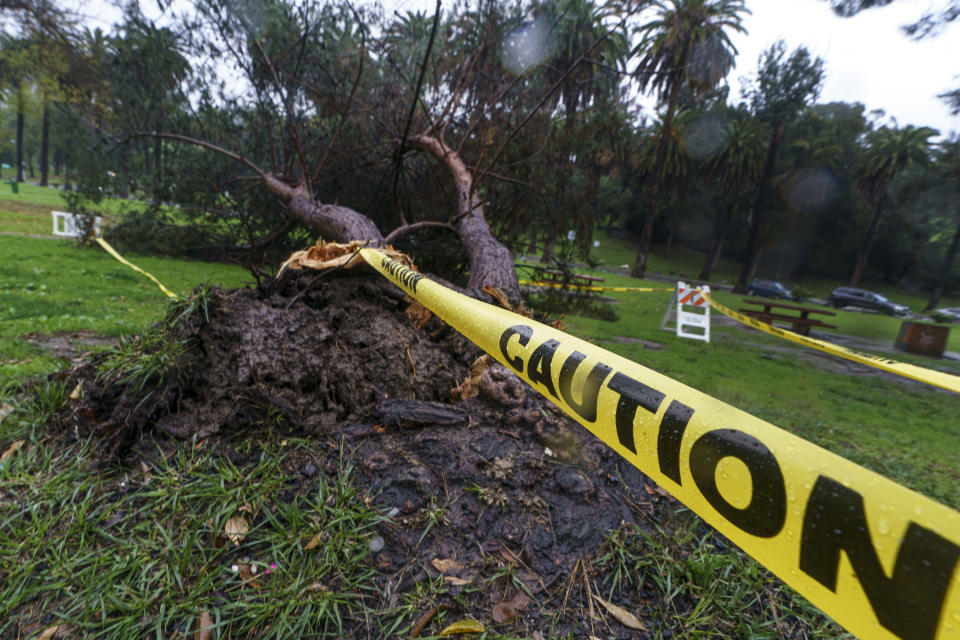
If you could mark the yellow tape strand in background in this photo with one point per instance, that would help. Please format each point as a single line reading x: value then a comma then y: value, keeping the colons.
x: 929, y: 376
x: 880, y: 559
x: 579, y: 287
x: 121, y: 259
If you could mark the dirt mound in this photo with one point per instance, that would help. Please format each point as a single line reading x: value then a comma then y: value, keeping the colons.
x: 497, y: 477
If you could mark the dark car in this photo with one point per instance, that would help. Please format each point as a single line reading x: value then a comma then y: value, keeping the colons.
x: 850, y: 297
x: 769, y: 289
x: 949, y: 314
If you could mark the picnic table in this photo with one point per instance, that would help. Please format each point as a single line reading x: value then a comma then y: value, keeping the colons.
x: 568, y: 278
x: 799, y: 323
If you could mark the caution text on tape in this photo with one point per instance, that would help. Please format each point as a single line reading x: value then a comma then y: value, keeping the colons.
x: 880, y: 559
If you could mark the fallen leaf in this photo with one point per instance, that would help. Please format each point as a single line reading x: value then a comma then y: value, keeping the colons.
x: 663, y: 492
x: 445, y: 565
x: 622, y: 616
x: 314, y: 586
x: 12, y: 449
x: 58, y: 631
x: 77, y: 391
x: 204, y: 626
x: 463, y: 626
x: 314, y: 541
x: 246, y: 507
x: 5, y: 410
x: 236, y: 529
x: 454, y: 581
x: 503, y: 612
x: 508, y: 610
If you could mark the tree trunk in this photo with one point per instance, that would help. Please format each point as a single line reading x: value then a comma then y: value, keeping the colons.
x: 646, y: 236
x: 864, y: 254
x: 491, y: 263
x: 749, y: 267
x: 947, y: 266
x: 20, y: 135
x: 45, y: 145
x: 716, y: 244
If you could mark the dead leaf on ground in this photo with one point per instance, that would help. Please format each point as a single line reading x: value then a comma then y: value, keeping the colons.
x: 246, y: 507
x: 58, y: 631
x: 12, y: 449
x: 445, y: 565
x: 313, y: 586
x: 204, y: 626
x: 508, y: 610
x: 463, y: 626
x: 454, y: 581
x: 77, y: 391
x: 314, y: 541
x: 418, y: 314
x: 236, y: 529
x: 5, y: 410
x: 622, y: 616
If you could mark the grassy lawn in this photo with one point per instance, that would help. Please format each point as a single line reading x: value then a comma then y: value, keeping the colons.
x: 50, y: 287
x: 117, y: 552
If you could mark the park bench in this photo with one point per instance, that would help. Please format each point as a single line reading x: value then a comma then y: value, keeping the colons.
x: 799, y: 324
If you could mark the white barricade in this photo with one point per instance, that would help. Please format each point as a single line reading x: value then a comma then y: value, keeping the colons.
x: 69, y: 225
x: 692, y: 311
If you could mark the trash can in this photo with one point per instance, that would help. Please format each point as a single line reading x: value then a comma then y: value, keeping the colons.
x: 14, y: 186
x: 925, y: 339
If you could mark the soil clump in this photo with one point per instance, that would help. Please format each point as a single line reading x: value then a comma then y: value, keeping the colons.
x: 478, y: 473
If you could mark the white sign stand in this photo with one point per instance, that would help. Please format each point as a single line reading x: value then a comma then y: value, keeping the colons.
x: 692, y: 312
x: 71, y: 226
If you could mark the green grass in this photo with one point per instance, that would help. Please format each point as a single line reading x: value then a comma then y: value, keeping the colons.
x: 52, y: 287
x: 707, y: 588
x: 904, y: 430
x: 119, y: 553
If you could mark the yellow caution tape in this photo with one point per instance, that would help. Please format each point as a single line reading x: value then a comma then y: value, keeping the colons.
x: 929, y: 376
x: 113, y: 252
x: 880, y: 559
x: 584, y: 287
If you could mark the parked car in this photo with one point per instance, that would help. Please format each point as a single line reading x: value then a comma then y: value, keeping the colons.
x: 769, y: 289
x: 850, y: 297
x: 949, y: 314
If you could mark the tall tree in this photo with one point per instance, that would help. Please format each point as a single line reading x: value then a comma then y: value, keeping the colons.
x: 947, y: 170
x: 735, y: 167
x: 784, y: 86
x: 889, y: 151
x: 687, y: 43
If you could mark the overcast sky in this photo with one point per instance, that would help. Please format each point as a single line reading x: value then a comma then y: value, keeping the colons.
x: 868, y: 59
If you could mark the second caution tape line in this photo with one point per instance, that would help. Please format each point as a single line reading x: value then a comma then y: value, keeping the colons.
x: 914, y: 372
x: 880, y: 559
x: 592, y: 288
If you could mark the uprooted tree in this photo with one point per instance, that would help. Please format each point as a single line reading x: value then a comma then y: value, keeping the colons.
x: 324, y: 113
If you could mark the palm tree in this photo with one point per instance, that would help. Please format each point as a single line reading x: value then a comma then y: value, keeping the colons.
x: 736, y: 167
x: 947, y: 170
x: 889, y: 151
x: 686, y: 44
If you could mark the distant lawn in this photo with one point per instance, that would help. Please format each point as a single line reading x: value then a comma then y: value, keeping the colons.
x: 55, y: 286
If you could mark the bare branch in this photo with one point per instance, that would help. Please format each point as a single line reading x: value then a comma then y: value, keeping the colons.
x: 398, y: 158
x: 407, y: 228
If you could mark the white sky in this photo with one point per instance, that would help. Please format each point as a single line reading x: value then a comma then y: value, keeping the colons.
x: 868, y: 59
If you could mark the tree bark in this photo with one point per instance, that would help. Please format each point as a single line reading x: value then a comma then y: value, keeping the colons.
x: 716, y: 244
x: 864, y: 254
x: 20, y: 135
x: 646, y: 235
x: 749, y: 267
x: 948, y: 261
x: 45, y: 145
x: 491, y: 263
